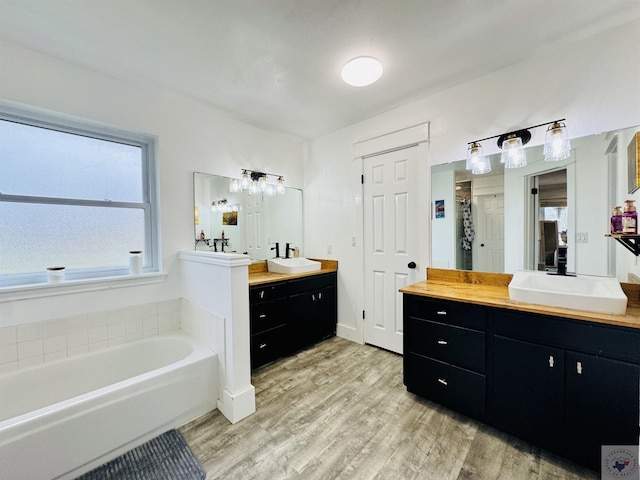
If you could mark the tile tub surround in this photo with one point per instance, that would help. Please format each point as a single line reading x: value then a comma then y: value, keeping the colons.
x: 40, y: 342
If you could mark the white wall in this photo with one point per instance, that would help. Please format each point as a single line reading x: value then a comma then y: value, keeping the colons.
x: 590, y: 81
x: 192, y: 137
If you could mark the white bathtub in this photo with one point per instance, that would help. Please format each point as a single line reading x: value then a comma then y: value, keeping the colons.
x: 61, y: 419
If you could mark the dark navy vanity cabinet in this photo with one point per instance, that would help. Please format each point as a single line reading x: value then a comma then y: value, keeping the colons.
x: 290, y: 315
x: 566, y: 385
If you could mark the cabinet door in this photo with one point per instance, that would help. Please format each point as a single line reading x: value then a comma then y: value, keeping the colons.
x: 327, y: 314
x: 528, y: 391
x: 602, y: 406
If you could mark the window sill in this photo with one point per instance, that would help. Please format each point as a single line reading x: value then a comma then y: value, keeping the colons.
x: 38, y: 290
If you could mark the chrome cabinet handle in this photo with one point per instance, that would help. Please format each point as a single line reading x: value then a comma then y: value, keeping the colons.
x: 263, y: 345
x: 443, y: 342
x: 579, y: 368
x: 263, y: 315
x: 442, y: 381
x: 441, y: 312
x: 551, y: 361
x: 320, y: 296
x: 261, y: 293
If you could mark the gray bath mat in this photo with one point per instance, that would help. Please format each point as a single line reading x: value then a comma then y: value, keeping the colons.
x: 166, y: 457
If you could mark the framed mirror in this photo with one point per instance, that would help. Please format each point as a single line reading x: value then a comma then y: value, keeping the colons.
x: 243, y: 223
x: 495, y: 223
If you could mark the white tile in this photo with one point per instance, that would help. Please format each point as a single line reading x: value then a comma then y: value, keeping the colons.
x: 132, y: 337
x: 79, y: 350
x: 29, y: 331
x: 116, y: 330
x: 53, y: 328
x: 98, y: 346
x: 164, y: 307
x: 150, y: 323
x: 165, y: 329
x: 55, y: 344
x: 97, y: 334
x: 117, y: 341
x: 176, y: 305
x: 8, y: 367
x: 153, y: 332
x: 32, y: 348
x: 77, y: 339
x: 8, y: 353
x: 30, y: 362
x: 150, y: 309
x: 134, y: 326
x: 53, y: 356
x: 164, y: 320
x: 8, y: 335
x: 116, y: 316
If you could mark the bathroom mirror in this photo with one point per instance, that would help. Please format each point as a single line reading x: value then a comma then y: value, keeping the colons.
x: 504, y: 220
x: 250, y: 224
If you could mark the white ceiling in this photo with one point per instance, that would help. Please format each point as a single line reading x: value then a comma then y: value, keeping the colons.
x: 276, y: 63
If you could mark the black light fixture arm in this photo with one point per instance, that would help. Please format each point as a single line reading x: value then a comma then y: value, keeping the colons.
x: 517, y: 133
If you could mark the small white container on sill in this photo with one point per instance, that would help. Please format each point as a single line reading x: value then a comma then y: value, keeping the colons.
x: 55, y: 274
x: 135, y: 262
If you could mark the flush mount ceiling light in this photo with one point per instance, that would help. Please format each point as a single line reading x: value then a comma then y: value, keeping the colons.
x: 362, y: 71
x: 556, y: 147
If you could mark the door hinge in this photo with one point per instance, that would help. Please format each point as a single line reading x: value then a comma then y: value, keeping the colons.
x: 534, y: 191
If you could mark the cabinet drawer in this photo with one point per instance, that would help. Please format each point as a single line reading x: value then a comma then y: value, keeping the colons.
x: 446, y: 384
x: 313, y: 282
x: 268, y: 291
x: 454, y: 313
x: 268, y: 315
x: 268, y: 346
x: 456, y: 345
x: 603, y: 340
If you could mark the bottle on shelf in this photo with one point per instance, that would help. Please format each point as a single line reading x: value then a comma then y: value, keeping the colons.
x: 630, y: 218
x: 616, y: 220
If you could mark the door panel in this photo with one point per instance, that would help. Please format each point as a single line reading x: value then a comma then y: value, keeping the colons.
x: 390, y: 242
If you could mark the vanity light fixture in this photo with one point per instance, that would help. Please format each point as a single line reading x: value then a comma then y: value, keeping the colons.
x: 476, y: 161
x: 556, y: 147
x: 361, y: 71
x: 556, y: 143
x: 257, y: 183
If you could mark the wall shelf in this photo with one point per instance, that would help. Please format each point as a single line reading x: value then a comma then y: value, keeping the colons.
x: 630, y: 242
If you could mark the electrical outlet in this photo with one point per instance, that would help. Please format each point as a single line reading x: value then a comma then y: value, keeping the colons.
x: 582, y: 237
x: 329, y: 249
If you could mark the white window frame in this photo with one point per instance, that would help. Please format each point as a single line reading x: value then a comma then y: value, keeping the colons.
x: 34, y: 284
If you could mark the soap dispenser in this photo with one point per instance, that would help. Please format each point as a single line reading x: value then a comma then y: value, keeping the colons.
x: 630, y: 218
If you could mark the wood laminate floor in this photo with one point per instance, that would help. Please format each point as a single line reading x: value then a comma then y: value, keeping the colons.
x: 339, y: 410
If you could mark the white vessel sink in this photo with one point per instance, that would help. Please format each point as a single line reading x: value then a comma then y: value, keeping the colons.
x: 583, y: 292
x: 292, y: 265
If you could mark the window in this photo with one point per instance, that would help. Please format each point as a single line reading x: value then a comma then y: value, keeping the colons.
x: 73, y: 194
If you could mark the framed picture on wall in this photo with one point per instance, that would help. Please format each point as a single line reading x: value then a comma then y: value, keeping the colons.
x: 230, y: 218
x: 633, y: 157
x: 439, y: 208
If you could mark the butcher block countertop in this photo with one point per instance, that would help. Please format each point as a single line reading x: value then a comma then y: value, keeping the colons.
x: 491, y: 289
x: 259, y: 274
